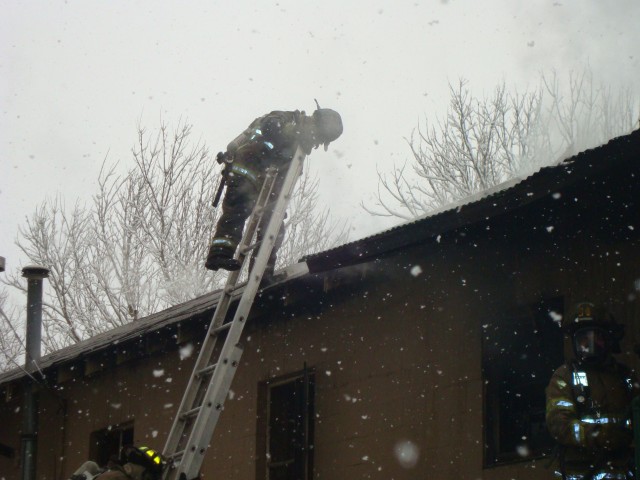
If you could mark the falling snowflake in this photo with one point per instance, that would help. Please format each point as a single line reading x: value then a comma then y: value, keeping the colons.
x: 154, y: 434
x: 116, y: 405
x: 158, y: 373
x: 523, y: 450
x: 186, y: 351
x: 555, y: 316
x: 416, y: 270
x: 407, y: 453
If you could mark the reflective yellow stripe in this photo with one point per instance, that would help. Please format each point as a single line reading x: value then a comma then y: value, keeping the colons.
x: 151, y: 454
x: 223, y: 243
x: 606, y: 419
x: 578, y: 432
x: 246, y: 173
x: 560, y: 403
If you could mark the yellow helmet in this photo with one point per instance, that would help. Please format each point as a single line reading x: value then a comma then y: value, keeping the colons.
x: 144, y: 456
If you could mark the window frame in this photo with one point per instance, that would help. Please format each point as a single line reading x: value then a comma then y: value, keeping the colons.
x: 498, y: 364
x: 98, y: 438
x: 303, y: 470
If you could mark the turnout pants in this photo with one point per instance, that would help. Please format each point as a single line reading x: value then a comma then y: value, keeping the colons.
x: 239, y: 201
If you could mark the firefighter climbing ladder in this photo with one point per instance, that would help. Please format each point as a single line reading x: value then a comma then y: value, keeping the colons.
x: 213, y: 373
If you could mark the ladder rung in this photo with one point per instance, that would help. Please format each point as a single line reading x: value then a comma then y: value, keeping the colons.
x: 219, y: 329
x: 205, y: 370
x: 190, y: 413
x: 248, y: 248
x: 176, y: 455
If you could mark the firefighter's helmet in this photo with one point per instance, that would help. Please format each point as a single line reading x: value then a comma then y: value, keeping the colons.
x: 594, y: 332
x: 145, y: 457
x: 328, y: 125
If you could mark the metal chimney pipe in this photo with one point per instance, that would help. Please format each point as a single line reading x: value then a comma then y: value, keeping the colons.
x: 34, y: 275
x: 29, y: 442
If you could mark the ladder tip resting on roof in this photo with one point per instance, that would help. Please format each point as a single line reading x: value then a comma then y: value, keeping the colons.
x: 219, y: 356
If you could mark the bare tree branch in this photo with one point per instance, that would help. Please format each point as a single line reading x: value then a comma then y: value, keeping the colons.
x: 482, y: 142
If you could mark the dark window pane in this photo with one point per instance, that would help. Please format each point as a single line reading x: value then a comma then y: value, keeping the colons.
x: 107, y: 443
x: 290, y: 429
x: 520, y: 352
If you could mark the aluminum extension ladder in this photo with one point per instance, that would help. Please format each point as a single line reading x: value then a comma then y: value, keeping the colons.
x: 210, y: 381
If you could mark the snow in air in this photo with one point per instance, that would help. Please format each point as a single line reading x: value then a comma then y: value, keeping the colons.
x: 555, y: 316
x: 186, y: 351
x: 407, y: 453
x: 158, y: 373
x: 523, y: 450
x: 416, y: 270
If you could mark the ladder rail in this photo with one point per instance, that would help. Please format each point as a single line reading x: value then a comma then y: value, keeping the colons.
x: 209, y: 410
x: 224, y: 302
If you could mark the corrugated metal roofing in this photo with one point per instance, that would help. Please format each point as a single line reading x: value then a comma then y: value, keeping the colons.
x: 498, y: 200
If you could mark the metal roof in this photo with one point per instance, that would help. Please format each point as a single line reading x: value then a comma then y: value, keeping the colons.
x: 498, y: 200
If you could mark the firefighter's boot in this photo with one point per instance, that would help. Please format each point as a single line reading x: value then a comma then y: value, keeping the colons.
x: 221, y: 258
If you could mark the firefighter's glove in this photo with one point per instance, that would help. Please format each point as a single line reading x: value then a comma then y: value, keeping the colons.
x: 224, y: 158
x: 611, y: 437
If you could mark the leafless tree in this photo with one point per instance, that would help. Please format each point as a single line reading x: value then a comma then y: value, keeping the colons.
x: 584, y: 114
x: 11, y: 340
x: 309, y: 229
x: 484, y: 141
x: 141, y: 243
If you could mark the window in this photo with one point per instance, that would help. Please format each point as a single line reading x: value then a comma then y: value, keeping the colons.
x: 520, y: 351
x: 6, y: 451
x: 108, y: 442
x: 286, y: 428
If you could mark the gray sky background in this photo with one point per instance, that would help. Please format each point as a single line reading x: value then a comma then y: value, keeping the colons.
x: 76, y: 78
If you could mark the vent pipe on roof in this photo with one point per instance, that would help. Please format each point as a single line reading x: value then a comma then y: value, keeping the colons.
x: 34, y: 275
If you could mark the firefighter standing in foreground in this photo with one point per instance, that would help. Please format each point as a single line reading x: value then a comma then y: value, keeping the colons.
x: 589, y: 399
x: 270, y: 141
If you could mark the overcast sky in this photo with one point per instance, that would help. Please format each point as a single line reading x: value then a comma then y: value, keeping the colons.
x: 76, y: 78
